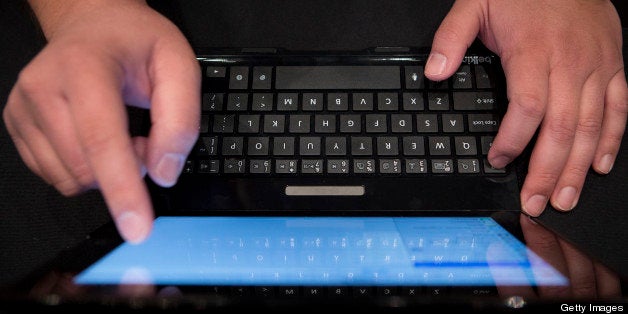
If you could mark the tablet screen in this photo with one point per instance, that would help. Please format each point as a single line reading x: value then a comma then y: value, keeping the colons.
x: 324, y: 251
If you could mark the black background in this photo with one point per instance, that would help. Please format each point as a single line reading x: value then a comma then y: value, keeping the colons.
x: 36, y: 222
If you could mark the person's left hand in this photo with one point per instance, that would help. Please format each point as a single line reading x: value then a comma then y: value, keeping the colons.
x: 565, y: 75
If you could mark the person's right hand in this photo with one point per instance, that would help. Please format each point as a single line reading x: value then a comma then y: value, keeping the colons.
x: 587, y: 279
x: 66, y: 113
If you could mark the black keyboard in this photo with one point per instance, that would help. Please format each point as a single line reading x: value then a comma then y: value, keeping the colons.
x: 339, y: 115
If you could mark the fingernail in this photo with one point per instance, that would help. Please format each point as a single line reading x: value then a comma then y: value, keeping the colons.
x: 535, y: 205
x: 606, y: 163
x: 499, y: 161
x: 131, y: 227
x: 169, y: 168
x: 566, y: 198
x: 436, y: 64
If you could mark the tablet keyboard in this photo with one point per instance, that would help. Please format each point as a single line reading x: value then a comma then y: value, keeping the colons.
x: 266, y: 117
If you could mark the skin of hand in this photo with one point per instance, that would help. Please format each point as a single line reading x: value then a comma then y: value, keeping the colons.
x: 66, y: 112
x: 588, y: 279
x: 565, y: 76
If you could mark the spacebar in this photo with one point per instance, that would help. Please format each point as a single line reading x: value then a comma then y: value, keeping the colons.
x: 337, y: 77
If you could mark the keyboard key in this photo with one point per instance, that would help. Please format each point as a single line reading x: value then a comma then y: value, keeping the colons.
x: 337, y: 102
x: 427, y: 123
x: 283, y: 146
x: 483, y: 122
x: 364, y: 166
x: 239, y: 77
x: 462, y: 78
x: 414, y: 77
x: 337, y: 77
x: 335, y: 146
x: 338, y: 166
x: 439, y: 145
x: 257, y: 146
x: 474, y: 101
x: 259, y: 166
x: 363, y: 102
x: 401, y: 123
x: 442, y: 166
x: 262, y: 102
x: 468, y: 166
x: 413, y: 102
x: 310, y: 146
x: 215, y: 72
x: 389, y: 166
x: 262, y: 77
x: 274, y: 123
x: 287, y: 101
x: 312, y: 166
x: 438, y: 101
x: 312, y: 102
x: 286, y: 166
x: 416, y: 166
x: 387, y: 101
x: 212, y: 101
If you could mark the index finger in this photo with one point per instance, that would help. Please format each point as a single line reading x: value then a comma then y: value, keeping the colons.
x: 100, y: 122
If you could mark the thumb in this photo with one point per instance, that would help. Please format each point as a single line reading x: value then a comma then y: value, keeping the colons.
x: 175, y: 111
x: 452, y: 39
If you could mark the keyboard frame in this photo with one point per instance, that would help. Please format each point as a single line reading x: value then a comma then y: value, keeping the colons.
x: 199, y: 194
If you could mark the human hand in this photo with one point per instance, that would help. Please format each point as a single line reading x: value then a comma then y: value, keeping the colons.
x: 565, y: 75
x: 66, y: 113
x: 588, y: 279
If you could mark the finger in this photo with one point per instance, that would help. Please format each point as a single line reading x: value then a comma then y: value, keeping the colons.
x: 528, y: 84
x: 608, y: 283
x: 581, y: 272
x: 455, y: 34
x: 544, y: 244
x: 505, y: 276
x: 614, y: 123
x: 555, y: 141
x: 569, y: 185
x: 50, y: 166
x: 100, y: 121
x: 140, y: 144
x: 175, y: 112
x: 54, y: 120
x: 20, y: 145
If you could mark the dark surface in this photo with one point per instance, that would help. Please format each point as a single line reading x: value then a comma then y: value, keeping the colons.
x: 37, y: 222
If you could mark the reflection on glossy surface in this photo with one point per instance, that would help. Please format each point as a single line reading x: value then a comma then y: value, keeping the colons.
x: 583, y: 278
x: 588, y: 279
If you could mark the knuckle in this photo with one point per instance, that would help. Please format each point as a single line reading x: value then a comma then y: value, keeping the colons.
x: 96, y: 142
x: 448, y: 33
x: 83, y: 175
x: 561, y: 128
x: 589, y: 126
x: 67, y: 186
x: 613, y: 138
x: 619, y: 107
x: 508, y: 148
x: 579, y: 171
x: 530, y: 105
x: 585, y: 286
x: 544, y: 181
x: 182, y: 132
x: 29, y: 82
